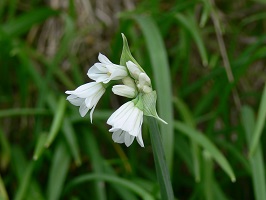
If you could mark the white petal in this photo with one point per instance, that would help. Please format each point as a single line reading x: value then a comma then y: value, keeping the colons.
x: 76, y: 101
x: 103, y: 59
x: 97, y: 71
x: 137, y: 124
x: 118, y: 136
x: 129, y: 124
x: 120, y: 110
x: 128, y: 139
x: 103, y: 78
x: 91, y: 112
x: 86, y: 90
x: 123, y: 117
x: 83, y: 109
x: 139, y: 139
x: 118, y: 74
x: 101, y: 67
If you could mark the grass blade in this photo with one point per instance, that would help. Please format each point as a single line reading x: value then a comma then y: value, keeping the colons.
x: 189, y: 23
x: 256, y: 161
x: 160, y: 66
x: 203, y: 141
x: 259, y: 123
x: 58, y: 172
x: 24, y: 184
x: 57, y: 121
x: 112, y: 179
x: 40, y: 146
x: 188, y: 118
x: 208, y: 175
x: 71, y: 139
x: 3, y: 192
x: 97, y: 164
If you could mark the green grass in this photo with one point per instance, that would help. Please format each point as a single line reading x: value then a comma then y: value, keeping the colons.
x: 214, y: 139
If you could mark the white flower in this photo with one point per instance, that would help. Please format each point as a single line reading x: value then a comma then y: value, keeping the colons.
x: 124, y: 90
x: 86, y: 97
x: 106, y: 70
x: 126, y: 124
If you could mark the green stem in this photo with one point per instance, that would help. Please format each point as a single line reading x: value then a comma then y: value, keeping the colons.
x: 160, y: 161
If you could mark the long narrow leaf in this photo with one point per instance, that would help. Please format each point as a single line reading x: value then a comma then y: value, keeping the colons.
x: 160, y: 66
x: 3, y: 192
x: 188, y: 118
x: 71, y: 139
x: 189, y: 23
x: 112, y: 179
x: 58, y: 118
x: 203, y: 141
x: 58, y: 172
x: 259, y: 123
x: 256, y: 161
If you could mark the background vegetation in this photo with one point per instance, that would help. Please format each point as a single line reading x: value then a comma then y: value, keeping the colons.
x: 207, y: 62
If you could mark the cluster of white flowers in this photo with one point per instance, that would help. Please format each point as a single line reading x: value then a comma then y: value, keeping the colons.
x: 126, y: 121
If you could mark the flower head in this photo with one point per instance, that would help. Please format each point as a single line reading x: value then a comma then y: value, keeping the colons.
x: 86, y: 97
x: 105, y: 70
x: 126, y: 124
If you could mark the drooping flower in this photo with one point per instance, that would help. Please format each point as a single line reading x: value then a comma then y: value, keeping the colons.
x: 105, y: 70
x: 86, y: 97
x: 126, y: 124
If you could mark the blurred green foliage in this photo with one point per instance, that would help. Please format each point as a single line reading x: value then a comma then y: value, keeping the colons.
x: 206, y: 60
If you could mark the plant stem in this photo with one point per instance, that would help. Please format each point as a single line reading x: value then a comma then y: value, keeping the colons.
x: 160, y: 161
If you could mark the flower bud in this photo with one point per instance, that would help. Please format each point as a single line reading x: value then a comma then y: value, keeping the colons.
x: 124, y: 90
x: 133, y: 69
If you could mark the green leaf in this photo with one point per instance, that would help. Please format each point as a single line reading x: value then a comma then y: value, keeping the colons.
x: 256, y: 161
x: 160, y: 66
x: 3, y: 192
x: 259, y: 123
x: 57, y: 121
x: 112, y: 179
x: 203, y: 141
x: 24, y: 184
x: 71, y: 140
x: 188, y: 118
x: 189, y: 23
x: 40, y: 146
x: 58, y: 172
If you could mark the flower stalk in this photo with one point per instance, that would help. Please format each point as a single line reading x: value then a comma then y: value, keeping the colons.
x: 160, y: 161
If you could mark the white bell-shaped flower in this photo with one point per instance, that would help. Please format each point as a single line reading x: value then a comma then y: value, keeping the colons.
x: 126, y: 124
x: 105, y: 70
x: 124, y: 91
x: 86, y: 97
